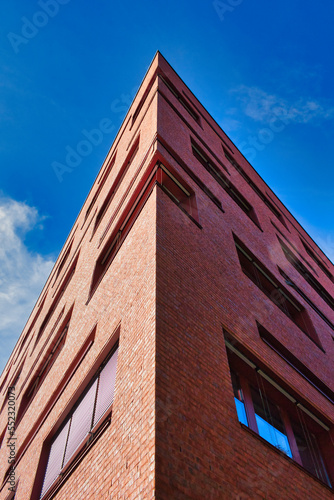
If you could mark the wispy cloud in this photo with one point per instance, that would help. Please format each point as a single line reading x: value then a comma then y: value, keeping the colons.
x: 261, y: 105
x: 22, y: 273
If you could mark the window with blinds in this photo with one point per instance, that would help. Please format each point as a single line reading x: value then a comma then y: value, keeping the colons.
x: 82, y: 422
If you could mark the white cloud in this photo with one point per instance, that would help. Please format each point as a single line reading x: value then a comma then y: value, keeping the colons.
x: 22, y: 273
x: 260, y: 106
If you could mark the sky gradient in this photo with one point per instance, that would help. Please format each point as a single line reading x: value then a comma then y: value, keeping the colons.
x: 67, y: 66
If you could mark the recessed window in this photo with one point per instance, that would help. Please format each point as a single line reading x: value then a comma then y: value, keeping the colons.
x: 101, y: 183
x: 255, y: 188
x: 13, y: 384
x: 300, y: 292
x: 25, y: 338
x: 303, y: 271
x: 63, y: 260
x: 224, y: 182
x: 57, y: 298
x: 275, y: 414
x: 123, y: 170
x: 143, y: 99
x: 317, y: 260
x: 296, y: 364
x: 230, y: 159
x: 177, y: 190
x: 269, y: 285
x: 293, y: 246
x: 42, y: 371
x: 81, y: 425
x: 180, y: 98
x: 229, y: 147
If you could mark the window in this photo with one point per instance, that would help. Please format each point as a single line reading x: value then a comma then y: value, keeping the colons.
x: 269, y: 285
x: 101, y: 182
x: 12, y: 384
x: 178, y: 191
x: 5, y: 379
x: 82, y: 424
x: 174, y: 187
x: 255, y: 188
x: 231, y: 190
x: 143, y: 99
x: 57, y: 298
x: 203, y: 158
x: 42, y: 371
x: 33, y: 323
x: 317, y: 260
x: 225, y: 143
x: 289, y: 282
x: 63, y: 260
x: 180, y: 98
x: 116, y: 183
x: 230, y: 159
x: 272, y: 412
x: 296, y: 364
x: 293, y: 246
x: 297, y: 264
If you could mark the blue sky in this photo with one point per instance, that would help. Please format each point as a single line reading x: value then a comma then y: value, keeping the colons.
x: 66, y: 65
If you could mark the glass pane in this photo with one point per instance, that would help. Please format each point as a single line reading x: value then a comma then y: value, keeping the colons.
x: 309, y: 451
x: 105, y: 395
x: 56, y: 457
x: 269, y: 421
x: 273, y: 435
x: 81, y: 422
x: 238, y: 399
x: 241, y: 411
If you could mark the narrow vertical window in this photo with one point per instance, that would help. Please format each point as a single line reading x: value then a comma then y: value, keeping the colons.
x: 82, y: 424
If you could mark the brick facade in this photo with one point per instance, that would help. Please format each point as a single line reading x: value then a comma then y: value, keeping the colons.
x: 160, y: 273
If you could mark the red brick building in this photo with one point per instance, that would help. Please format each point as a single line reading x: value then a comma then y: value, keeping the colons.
x: 182, y: 347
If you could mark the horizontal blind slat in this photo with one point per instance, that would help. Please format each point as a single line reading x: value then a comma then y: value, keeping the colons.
x: 81, y: 422
x: 106, y: 388
x: 56, y: 456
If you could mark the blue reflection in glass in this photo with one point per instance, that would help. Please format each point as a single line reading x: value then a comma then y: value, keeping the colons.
x: 273, y: 435
x: 241, y: 411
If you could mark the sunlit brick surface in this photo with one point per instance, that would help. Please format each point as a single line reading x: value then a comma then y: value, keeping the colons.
x: 174, y: 284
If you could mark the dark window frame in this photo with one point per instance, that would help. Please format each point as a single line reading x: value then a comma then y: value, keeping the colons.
x: 291, y: 283
x: 101, y: 183
x: 64, y: 284
x: 317, y: 260
x: 225, y: 183
x: 256, y: 189
x: 248, y: 374
x: 275, y: 291
x: 117, y: 182
x: 180, y: 98
x: 42, y: 371
x: 308, y: 277
x: 295, y: 363
x: 154, y: 176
